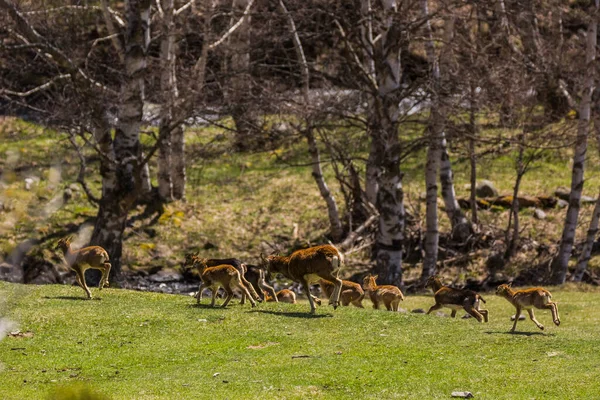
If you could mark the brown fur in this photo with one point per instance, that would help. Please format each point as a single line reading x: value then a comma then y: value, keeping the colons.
x: 256, y: 277
x: 192, y: 259
x: 389, y: 295
x: 527, y: 299
x: 283, y: 296
x: 224, y: 276
x: 92, y: 257
x: 352, y: 293
x: 307, y: 266
x: 456, y: 299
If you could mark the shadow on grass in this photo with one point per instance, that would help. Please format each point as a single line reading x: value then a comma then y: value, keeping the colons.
x: 293, y: 314
x: 519, y: 333
x: 207, y: 306
x: 71, y: 298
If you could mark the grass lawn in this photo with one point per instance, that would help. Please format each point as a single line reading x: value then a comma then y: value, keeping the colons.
x: 134, y: 345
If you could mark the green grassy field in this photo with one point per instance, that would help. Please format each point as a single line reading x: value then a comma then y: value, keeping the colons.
x: 134, y: 345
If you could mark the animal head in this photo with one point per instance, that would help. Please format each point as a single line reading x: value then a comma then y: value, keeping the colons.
x: 193, y: 260
x: 64, y: 243
x: 369, y: 281
x: 503, y: 289
x: 432, y: 281
x: 269, y: 263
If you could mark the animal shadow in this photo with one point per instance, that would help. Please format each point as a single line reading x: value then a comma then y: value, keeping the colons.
x: 293, y: 314
x: 70, y: 298
x: 519, y: 333
x: 206, y: 306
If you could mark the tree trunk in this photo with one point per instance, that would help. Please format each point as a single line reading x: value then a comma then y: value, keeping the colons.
x: 390, y: 196
x: 168, y: 83
x: 586, y: 252
x: 513, y: 240
x: 390, y: 204
x: 332, y: 209
x: 461, y: 226
x: 434, y: 134
x: 121, y: 187
x: 560, y: 264
x: 239, y: 67
x: 178, y: 173
x: 473, y: 155
x: 431, y: 215
x: 372, y: 171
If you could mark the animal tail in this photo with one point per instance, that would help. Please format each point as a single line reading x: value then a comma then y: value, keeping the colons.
x: 337, y: 260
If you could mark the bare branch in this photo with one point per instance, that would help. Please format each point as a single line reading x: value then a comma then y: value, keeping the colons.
x: 112, y: 31
x: 159, y: 8
x: 36, y: 89
x: 54, y: 55
x: 233, y: 28
x: 81, y: 176
x: 359, y: 64
x: 184, y: 7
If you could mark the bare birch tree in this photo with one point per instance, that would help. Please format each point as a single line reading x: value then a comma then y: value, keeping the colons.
x: 560, y: 263
x: 434, y: 134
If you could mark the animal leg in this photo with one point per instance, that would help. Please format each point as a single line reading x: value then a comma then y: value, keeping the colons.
x: 485, y: 314
x: 388, y: 304
x: 517, y: 315
x: 434, y: 307
x: 229, y: 292
x: 345, y: 300
x: 554, y: 308
x: 535, y: 321
x: 214, y: 291
x: 249, y: 289
x: 334, y: 300
x: 316, y: 299
x: 453, y: 313
x: 395, y: 304
x: 306, y: 287
x: 358, y: 303
x: 473, y: 312
x: 105, y: 272
x: 82, y: 283
x: 199, y: 294
x: 246, y: 293
x: 269, y: 289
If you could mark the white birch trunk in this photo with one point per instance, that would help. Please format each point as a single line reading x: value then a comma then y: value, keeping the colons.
x: 586, y: 252
x: 372, y: 171
x: 178, y: 172
x: 120, y: 190
x: 584, y: 257
x: 390, y: 196
x: 239, y: 67
x: 434, y: 133
x: 461, y: 226
x: 168, y: 85
x: 560, y: 264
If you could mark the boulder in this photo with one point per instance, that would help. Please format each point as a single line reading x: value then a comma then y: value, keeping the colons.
x: 562, y: 203
x: 166, y: 275
x: 486, y: 188
x: 587, y: 200
x: 539, y: 214
x: 562, y: 193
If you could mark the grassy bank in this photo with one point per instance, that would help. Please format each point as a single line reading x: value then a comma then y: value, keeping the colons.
x: 153, y: 346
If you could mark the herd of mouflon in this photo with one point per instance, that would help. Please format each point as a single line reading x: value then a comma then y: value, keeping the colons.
x: 319, y: 264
